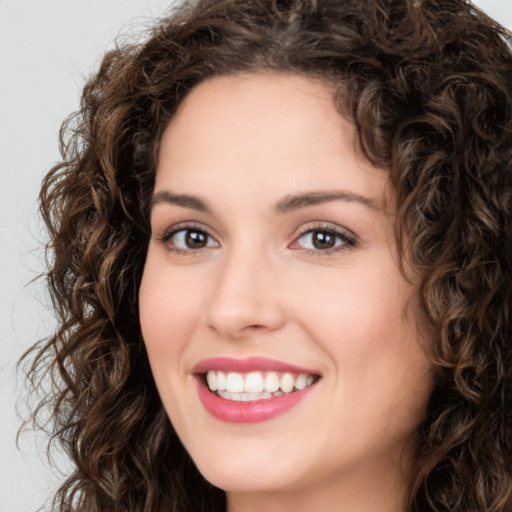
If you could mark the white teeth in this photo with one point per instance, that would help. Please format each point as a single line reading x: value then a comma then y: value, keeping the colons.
x: 211, y: 379
x: 234, y: 383
x: 244, y: 397
x: 271, y: 382
x: 221, y: 381
x: 287, y: 382
x: 250, y: 396
x: 300, y: 382
x: 253, y: 382
x: 255, y: 385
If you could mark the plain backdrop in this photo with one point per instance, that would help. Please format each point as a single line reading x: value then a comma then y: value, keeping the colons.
x: 47, y: 49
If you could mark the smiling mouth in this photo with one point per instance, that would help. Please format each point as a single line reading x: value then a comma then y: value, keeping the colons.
x: 256, y: 385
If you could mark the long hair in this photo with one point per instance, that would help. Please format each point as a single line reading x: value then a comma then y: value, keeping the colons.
x: 427, y: 83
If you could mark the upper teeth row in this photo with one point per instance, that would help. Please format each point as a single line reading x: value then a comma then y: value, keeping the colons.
x: 257, y: 382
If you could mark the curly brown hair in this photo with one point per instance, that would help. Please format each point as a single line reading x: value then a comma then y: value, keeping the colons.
x: 428, y: 85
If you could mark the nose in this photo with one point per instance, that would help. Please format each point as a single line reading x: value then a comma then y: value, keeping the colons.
x: 245, y: 298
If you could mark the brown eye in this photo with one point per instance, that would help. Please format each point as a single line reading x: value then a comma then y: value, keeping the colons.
x: 196, y: 239
x: 189, y: 239
x: 324, y: 240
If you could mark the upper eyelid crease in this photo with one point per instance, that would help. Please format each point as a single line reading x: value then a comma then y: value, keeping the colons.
x: 185, y: 227
x: 345, y: 235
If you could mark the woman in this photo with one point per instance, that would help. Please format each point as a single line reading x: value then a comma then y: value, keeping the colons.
x: 280, y: 238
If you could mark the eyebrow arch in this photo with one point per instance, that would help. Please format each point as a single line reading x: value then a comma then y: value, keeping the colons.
x: 183, y: 200
x: 301, y: 200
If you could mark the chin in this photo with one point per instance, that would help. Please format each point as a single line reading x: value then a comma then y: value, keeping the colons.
x: 247, y: 483
x: 255, y: 473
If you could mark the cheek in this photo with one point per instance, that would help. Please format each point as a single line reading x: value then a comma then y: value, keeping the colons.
x: 167, y: 310
x: 168, y: 317
x: 354, y: 305
x: 365, y: 320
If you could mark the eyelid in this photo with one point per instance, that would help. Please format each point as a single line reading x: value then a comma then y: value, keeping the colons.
x: 347, y: 236
x: 169, y: 232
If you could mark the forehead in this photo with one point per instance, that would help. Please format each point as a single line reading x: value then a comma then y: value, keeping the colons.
x: 281, y: 129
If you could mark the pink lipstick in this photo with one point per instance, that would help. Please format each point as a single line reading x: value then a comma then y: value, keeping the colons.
x: 252, y: 389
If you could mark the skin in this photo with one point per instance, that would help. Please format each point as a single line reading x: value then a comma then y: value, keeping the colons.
x: 260, y: 287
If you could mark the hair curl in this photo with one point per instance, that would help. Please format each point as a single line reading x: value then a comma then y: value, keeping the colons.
x: 428, y: 85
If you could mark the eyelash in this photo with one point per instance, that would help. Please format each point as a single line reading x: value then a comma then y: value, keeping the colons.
x: 169, y: 234
x: 346, y: 239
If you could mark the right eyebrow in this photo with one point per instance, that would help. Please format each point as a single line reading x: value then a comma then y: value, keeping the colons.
x: 183, y: 200
x: 302, y: 200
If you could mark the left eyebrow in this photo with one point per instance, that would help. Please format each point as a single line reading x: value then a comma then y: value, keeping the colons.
x: 183, y: 200
x: 301, y: 200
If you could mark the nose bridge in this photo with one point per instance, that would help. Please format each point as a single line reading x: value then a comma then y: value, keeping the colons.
x: 243, y: 298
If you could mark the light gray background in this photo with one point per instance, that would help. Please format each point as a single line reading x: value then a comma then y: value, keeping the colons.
x: 47, y: 47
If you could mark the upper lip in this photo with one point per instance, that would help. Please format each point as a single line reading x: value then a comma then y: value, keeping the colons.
x: 248, y: 364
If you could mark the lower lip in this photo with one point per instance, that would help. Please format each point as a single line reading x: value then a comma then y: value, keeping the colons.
x: 254, y: 411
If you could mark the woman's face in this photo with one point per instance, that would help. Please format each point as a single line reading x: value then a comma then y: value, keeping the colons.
x: 272, y: 273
